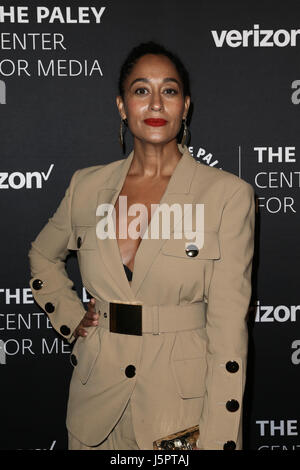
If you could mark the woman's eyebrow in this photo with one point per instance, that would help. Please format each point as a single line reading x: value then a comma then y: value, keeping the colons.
x: 146, y: 80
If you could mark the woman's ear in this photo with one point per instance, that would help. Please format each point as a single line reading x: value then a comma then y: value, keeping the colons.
x: 120, y: 106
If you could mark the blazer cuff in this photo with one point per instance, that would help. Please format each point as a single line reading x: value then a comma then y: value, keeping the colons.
x: 52, y: 291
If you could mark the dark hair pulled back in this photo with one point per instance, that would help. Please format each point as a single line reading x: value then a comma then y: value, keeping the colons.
x: 152, y: 48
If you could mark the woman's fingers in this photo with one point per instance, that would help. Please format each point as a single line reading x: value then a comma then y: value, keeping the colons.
x: 81, y: 332
x: 91, y: 305
x: 91, y: 312
x: 91, y: 317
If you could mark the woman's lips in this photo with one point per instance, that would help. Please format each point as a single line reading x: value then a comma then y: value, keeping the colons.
x: 155, y: 122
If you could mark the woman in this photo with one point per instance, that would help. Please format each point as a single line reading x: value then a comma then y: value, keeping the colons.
x: 167, y: 348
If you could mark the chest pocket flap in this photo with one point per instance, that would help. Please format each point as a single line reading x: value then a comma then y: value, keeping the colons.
x: 209, y: 250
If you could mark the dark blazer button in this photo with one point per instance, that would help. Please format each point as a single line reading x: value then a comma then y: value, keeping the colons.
x: 232, y: 405
x: 65, y: 330
x: 73, y: 359
x: 78, y: 242
x: 130, y: 371
x: 105, y: 315
x: 229, y: 445
x: 232, y: 366
x: 49, y: 307
x: 37, y: 284
x: 192, y: 250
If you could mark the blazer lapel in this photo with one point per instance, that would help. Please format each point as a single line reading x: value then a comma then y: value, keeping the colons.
x: 177, y: 191
x: 109, y: 249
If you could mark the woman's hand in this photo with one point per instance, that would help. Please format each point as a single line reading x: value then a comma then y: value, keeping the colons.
x: 89, y: 319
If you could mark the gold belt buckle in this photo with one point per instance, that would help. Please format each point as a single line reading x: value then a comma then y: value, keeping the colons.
x: 125, y: 319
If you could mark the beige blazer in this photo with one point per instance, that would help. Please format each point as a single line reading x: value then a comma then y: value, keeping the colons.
x: 190, y: 362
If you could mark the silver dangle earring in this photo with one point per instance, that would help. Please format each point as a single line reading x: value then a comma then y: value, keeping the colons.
x: 185, y: 133
x: 122, y: 132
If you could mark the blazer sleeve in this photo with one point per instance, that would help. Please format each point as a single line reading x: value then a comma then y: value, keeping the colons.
x: 229, y: 296
x: 50, y: 285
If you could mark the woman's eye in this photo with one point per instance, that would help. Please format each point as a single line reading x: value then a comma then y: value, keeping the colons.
x: 141, y: 91
x: 171, y: 91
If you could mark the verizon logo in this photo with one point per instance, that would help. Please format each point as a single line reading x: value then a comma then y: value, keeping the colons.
x: 28, y: 180
x: 256, y: 37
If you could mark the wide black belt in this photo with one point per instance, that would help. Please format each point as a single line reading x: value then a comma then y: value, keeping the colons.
x: 139, y: 319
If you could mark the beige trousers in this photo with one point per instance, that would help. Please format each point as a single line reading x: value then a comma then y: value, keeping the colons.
x: 122, y: 436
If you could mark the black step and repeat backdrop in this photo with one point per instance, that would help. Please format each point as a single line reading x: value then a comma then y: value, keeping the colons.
x: 59, y: 65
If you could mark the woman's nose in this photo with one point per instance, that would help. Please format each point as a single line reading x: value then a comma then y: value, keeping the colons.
x: 156, y: 102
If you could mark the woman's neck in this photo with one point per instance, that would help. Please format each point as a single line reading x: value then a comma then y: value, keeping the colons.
x: 154, y: 160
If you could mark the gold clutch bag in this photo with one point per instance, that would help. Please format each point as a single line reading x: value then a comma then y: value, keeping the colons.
x: 182, y: 440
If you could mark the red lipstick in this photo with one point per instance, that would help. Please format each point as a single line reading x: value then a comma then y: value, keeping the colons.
x: 155, y: 122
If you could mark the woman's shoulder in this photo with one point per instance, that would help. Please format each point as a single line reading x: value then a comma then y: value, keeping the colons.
x: 219, y: 180
x: 88, y: 174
